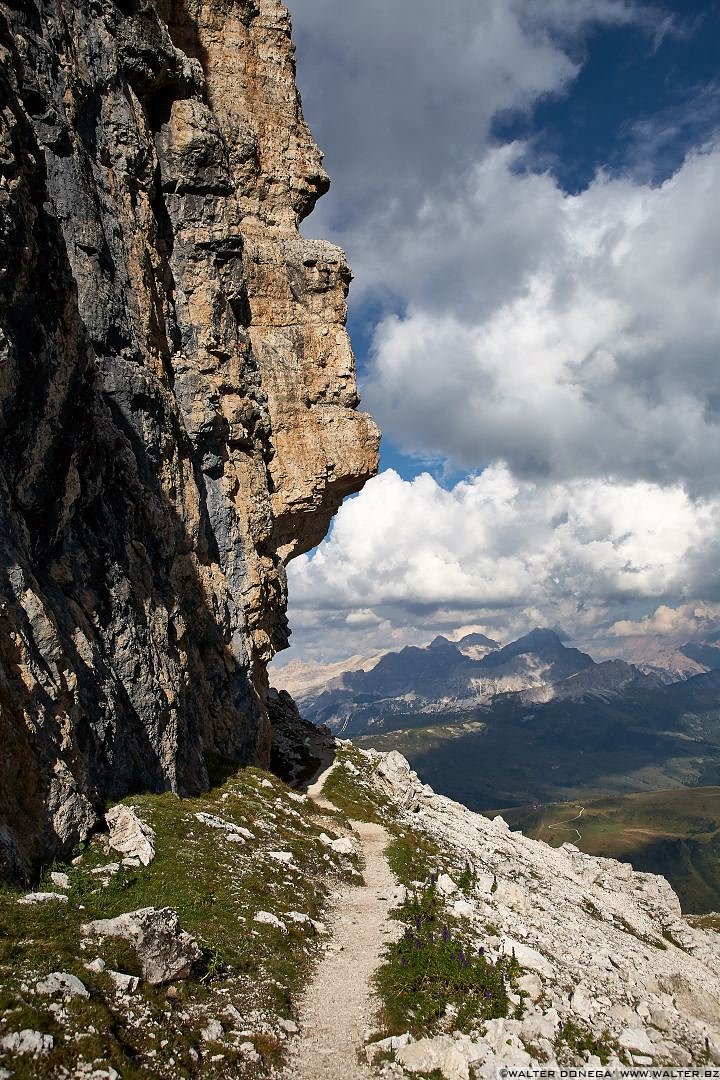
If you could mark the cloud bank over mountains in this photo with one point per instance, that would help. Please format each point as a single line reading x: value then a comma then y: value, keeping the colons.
x: 558, y: 347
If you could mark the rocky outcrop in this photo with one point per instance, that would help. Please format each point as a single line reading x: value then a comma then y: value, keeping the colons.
x: 177, y: 396
x: 165, y: 951
x: 605, y: 950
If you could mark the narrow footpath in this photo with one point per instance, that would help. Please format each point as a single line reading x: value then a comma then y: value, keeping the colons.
x: 339, y: 1005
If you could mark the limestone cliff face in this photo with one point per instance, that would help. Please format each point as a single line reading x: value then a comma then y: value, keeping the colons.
x: 177, y: 396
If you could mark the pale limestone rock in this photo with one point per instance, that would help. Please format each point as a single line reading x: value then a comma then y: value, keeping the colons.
x: 637, y: 1041
x: 60, y: 880
x: 344, y: 845
x: 27, y: 1042
x: 446, y: 886
x: 526, y: 956
x: 393, y: 1043
x: 130, y: 835
x: 216, y: 822
x: 43, y: 898
x: 62, y: 984
x: 213, y: 1031
x: 166, y: 952
x: 106, y: 871
x: 531, y: 984
x: 268, y: 919
x: 127, y: 984
x: 588, y: 935
x: 179, y: 410
x: 441, y: 1053
x: 285, y: 857
x: 582, y: 1003
x: 299, y: 917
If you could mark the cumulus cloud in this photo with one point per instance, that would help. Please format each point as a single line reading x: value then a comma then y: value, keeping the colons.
x: 583, y: 336
x: 498, y: 552
x: 672, y: 625
x: 419, y: 90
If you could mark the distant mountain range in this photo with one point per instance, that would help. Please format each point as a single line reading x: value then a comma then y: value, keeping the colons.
x: 533, y: 721
x: 456, y: 677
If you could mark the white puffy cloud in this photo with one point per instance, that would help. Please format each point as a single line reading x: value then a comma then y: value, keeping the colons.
x: 583, y: 336
x: 672, y: 625
x: 402, y: 96
x: 413, y: 558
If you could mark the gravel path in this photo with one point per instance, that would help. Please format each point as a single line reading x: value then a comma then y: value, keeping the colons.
x: 339, y: 1007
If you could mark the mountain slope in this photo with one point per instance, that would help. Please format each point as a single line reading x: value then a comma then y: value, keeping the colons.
x: 449, y: 677
x: 513, y: 752
x: 543, y: 956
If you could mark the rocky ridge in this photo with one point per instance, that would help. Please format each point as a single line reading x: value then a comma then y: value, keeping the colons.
x: 611, y: 969
x: 177, y: 399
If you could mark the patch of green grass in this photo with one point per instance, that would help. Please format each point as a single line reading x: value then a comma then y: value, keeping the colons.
x: 574, y: 1040
x: 673, y: 941
x: 591, y: 909
x: 705, y: 922
x: 432, y: 967
x: 354, y: 793
x: 413, y: 856
x: 646, y: 939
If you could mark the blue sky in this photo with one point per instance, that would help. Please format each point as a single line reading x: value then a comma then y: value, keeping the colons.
x: 527, y: 195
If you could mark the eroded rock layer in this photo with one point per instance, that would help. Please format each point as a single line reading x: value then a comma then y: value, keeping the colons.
x: 177, y: 396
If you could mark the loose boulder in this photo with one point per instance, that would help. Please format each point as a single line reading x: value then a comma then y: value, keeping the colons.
x: 130, y: 835
x: 165, y: 951
x: 62, y: 984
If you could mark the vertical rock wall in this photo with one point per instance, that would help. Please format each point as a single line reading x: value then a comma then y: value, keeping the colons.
x: 177, y: 396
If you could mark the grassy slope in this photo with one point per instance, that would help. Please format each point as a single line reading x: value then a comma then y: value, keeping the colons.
x: 216, y: 887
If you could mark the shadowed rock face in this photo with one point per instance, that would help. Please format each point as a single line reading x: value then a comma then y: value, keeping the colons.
x: 177, y: 396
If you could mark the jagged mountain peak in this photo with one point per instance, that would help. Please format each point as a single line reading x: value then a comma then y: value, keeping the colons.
x: 441, y: 642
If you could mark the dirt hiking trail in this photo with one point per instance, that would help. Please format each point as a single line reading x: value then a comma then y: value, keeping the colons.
x: 339, y: 1005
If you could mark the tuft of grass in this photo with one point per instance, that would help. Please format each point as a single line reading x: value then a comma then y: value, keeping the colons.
x: 578, y: 1041
x: 591, y: 909
x: 413, y: 856
x: 705, y: 922
x: 646, y: 939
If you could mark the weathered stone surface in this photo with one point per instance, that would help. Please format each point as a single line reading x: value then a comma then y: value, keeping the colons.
x: 177, y: 396
x: 267, y: 918
x: 43, y: 898
x: 442, y: 1053
x: 62, y: 984
x: 164, y: 950
x: 27, y: 1041
x: 130, y: 835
